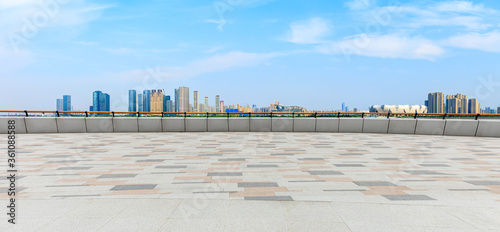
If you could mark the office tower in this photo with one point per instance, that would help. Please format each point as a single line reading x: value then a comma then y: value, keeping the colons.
x: 66, y: 102
x: 195, y: 101
x: 183, y: 105
x: 167, y: 104
x: 207, y: 106
x: 201, y: 107
x: 59, y: 104
x: 132, y: 101
x: 456, y: 104
x: 474, y: 106
x: 435, y: 103
x: 156, y: 100
x: 221, y: 104
x: 343, y: 107
x: 140, y: 103
x: 101, y: 101
x: 176, y: 98
x: 146, y: 99
x: 217, y: 103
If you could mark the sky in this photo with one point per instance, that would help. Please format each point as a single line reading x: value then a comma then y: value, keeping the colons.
x: 316, y: 53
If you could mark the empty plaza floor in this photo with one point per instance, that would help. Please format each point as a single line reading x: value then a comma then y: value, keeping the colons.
x: 253, y: 182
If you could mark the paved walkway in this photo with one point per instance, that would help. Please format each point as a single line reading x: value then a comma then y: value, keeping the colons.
x: 255, y: 182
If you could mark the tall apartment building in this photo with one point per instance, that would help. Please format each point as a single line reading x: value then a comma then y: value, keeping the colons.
x: 217, y: 103
x: 435, y: 102
x: 221, y: 104
x: 132, y: 101
x: 201, y: 107
x: 146, y: 99
x: 183, y: 98
x: 474, y: 106
x: 207, y: 106
x: 195, y: 101
x: 456, y: 104
x: 156, y: 100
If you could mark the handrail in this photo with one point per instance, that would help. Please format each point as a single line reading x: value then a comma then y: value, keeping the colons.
x: 293, y: 114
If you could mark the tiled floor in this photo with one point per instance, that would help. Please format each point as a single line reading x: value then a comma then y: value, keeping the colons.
x: 255, y: 182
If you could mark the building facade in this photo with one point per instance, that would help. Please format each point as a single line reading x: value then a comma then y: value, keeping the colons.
x: 207, y: 106
x: 195, y: 101
x: 59, y: 104
x: 457, y: 104
x: 66, y: 102
x: 217, y: 103
x: 132, y: 101
x: 101, y: 101
x: 435, y: 102
x: 398, y: 109
x: 183, y: 104
x: 146, y: 100
x: 140, y: 103
x: 474, y: 106
x: 157, y: 100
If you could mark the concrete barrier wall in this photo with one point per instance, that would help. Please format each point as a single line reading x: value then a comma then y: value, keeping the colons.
x: 71, y: 125
x: 375, y: 125
x: 430, y: 127
x: 196, y: 124
x: 282, y: 124
x: 150, y: 124
x: 99, y: 125
x: 218, y: 124
x: 488, y: 128
x: 461, y: 127
x: 457, y: 127
x: 41, y: 125
x: 351, y: 125
x: 20, y: 126
x: 239, y: 124
x: 402, y: 126
x: 327, y: 125
x: 125, y: 124
x: 260, y: 124
x: 304, y: 124
x: 173, y: 124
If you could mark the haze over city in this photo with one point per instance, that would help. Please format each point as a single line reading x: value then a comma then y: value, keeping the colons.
x: 315, y: 55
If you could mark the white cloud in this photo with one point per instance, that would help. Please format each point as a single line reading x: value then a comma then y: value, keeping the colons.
x: 311, y: 31
x: 359, y: 4
x: 463, y: 7
x: 488, y: 42
x: 385, y: 46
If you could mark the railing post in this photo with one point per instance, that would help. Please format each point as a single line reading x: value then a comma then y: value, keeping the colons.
x: 415, y: 115
x: 162, y: 114
x: 185, y: 115
x: 293, y: 114
x: 138, y: 114
x: 26, y: 112
x: 113, y: 113
x: 363, y: 115
x: 86, y: 114
x: 227, y: 114
x: 338, y: 115
x: 444, y: 116
x: 207, y: 114
x: 57, y: 112
x: 389, y: 115
x: 315, y: 114
x: 477, y: 116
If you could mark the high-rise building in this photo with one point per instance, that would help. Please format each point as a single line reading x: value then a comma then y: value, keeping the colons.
x: 146, y: 97
x: 101, y: 101
x: 156, y: 100
x: 66, y: 102
x: 140, y: 102
x: 344, y: 107
x: 498, y: 110
x: 456, y: 104
x: 176, y: 98
x: 474, y: 106
x: 217, y: 103
x: 435, y: 102
x: 207, y: 106
x: 201, y: 107
x: 183, y: 104
x: 167, y: 104
x: 221, y: 104
x: 59, y: 104
x: 195, y: 101
x: 132, y: 101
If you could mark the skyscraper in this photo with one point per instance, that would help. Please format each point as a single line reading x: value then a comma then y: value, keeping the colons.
x: 195, y: 101
x: 343, y: 107
x: 498, y: 110
x: 435, y: 103
x: 59, y: 104
x: 474, y: 106
x: 176, y: 103
x: 217, y: 103
x: 146, y: 97
x: 140, y: 103
x: 222, y: 106
x: 157, y: 100
x: 66, y: 102
x: 183, y: 104
x: 456, y: 104
x: 206, y: 104
x: 101, y: 101
x: 132, y: 101
x: 167, y: 104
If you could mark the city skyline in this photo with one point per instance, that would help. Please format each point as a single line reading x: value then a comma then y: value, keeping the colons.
x: 253, y: 52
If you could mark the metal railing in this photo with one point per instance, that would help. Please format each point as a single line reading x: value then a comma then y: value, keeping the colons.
x: 35, y: 113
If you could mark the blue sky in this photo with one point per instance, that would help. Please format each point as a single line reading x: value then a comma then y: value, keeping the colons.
x: 315, y: 54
